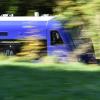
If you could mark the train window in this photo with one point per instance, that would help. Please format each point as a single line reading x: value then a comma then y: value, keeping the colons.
x: 3, y: 33
x: 56, y: 38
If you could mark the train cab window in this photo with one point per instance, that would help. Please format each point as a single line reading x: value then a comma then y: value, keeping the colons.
x: 56, y: 38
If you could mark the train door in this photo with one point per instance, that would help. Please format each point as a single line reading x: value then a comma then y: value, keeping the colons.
x: 56, y: 45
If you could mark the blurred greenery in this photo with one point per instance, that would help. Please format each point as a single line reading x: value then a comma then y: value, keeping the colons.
x: 32, y: 49
x: 83, y: 15
x: 25, y: 81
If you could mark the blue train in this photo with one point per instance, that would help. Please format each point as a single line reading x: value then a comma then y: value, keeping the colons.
x: 58, y: 40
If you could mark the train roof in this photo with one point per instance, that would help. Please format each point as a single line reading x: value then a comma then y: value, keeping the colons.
x: 26, y: 18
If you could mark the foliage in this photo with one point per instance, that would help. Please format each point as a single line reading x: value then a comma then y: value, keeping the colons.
x: 24, y: 7
x: 84, y: 14
x: 79, y: 12
x: 32, y: 49
x: 71, y: 11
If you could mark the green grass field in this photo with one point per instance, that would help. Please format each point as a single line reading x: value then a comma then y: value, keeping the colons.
x: 25, y: 81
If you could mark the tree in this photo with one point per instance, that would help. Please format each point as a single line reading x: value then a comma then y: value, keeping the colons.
x: 32, y: 48
x: 93, y: 29
x: 84, y: 14
x: 26, y: 7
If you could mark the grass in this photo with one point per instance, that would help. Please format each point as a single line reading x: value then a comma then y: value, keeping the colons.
x: 25, y: 81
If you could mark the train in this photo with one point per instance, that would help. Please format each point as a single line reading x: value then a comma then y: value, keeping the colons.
x: 57, y: 38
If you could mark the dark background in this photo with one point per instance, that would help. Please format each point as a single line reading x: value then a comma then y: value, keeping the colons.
x: 27, y: 7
